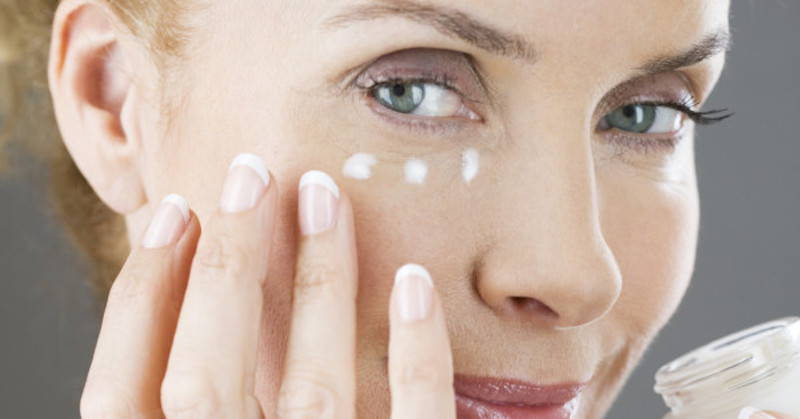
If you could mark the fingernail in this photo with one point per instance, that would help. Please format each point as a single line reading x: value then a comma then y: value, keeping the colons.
x: 246, y: 182
x: 318, y: 203
x: 414, y: 289
x: 168, y: 223
x: 754, y: 413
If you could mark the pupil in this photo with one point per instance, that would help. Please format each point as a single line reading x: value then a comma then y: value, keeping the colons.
x: 628, y: 111
x: 399, y: 90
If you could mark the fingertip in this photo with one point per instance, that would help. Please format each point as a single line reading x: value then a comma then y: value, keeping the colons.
x: 168, y: 223
x: 413, y: 269
x: 413, y: 291
x: 254, y: 162
x: 320, y: 178
x: 192, y: 232
x: 345, y: 225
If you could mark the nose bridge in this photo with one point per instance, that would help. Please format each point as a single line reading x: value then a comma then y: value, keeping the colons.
x: 551, y: 248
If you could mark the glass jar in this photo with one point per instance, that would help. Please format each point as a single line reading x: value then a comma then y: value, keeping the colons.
x: 759, y: 367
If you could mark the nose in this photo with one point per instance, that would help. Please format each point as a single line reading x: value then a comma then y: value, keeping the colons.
x: 547, y: 260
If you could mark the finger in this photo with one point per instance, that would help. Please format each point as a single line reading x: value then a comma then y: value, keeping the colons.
x: 319, y: 372
x: 212, y: 363
x: 420, y: 361
x: 140, y: 317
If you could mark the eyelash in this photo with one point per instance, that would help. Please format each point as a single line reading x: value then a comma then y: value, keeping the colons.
x: 699, y: 118
x: 439, y: 79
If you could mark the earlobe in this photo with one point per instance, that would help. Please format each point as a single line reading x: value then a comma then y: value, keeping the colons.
x: 95, y: 100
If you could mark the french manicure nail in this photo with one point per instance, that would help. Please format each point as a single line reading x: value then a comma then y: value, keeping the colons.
x: 750, y: 412
x: 414, y: 289
x: 318, y: 203
x: 168, y: 222
x: 245, y: 184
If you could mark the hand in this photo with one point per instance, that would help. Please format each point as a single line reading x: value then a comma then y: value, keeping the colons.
x: 754, y: 413
x: 180, y: 331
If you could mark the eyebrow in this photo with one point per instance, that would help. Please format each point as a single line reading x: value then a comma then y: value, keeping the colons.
x: 455, y: 23
x: 709, y: 46
x: 450, y: 22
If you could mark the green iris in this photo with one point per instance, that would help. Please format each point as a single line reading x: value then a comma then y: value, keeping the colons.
x: 633, y: 118
x: 400, y: 97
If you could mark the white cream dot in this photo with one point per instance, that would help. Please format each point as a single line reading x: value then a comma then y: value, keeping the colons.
x: 416, y: 171
x: 470, y: 163
x: 359, y: 166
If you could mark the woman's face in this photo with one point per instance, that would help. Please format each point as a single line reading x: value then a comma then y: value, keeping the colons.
x: 558, y: 218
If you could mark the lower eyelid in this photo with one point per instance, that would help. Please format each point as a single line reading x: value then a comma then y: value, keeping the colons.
x: 664, y: 143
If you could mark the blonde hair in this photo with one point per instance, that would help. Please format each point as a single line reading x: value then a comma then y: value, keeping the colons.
x: 27, y: 120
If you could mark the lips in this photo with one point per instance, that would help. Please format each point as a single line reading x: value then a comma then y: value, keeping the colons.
x: 483, y: 397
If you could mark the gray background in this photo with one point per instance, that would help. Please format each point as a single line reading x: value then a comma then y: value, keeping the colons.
x: 746, y: 273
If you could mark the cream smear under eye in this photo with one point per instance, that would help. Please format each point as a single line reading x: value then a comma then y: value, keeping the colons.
x: 359, y: 166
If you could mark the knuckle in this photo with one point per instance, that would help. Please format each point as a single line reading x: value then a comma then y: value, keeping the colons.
x: 225, y: 256
x: 318, y: 279
x: 134, y: 289
x: 303, y: 397
x: 424, y: 372
x: 189, y: 395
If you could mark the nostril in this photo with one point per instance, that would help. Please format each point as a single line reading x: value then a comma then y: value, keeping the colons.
x: 533, y: 306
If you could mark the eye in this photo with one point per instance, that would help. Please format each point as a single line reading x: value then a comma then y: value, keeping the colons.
x: 644, y: 118
x: 419, y: 98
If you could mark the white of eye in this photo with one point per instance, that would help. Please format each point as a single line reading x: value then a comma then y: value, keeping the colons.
x: 666, y: 120
x: 438, y: 102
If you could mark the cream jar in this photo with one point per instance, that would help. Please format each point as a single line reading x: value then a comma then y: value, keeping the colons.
x: 759, y: 366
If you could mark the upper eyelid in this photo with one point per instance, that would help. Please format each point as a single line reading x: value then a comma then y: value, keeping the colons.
x: 620, y: 94
x: 457, y: 69
x: 441, y: 83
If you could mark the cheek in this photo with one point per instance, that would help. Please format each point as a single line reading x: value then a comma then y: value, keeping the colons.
x: 652, y: 231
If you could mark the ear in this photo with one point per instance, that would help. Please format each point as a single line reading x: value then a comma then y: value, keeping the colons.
x: 95, y: 100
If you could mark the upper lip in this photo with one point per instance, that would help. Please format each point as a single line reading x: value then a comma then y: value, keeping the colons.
x: 516, y: 392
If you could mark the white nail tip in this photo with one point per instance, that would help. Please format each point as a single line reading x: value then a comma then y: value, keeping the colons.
x: 180, y: 203
x: 316, y: 177
x: 254, y: 162
x: 412, y: 269
x: 748, y: 412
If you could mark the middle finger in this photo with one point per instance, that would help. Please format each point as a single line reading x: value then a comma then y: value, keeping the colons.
x: 212, y: 363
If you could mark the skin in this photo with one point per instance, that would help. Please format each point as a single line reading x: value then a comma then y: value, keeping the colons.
x: 558, y: 263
